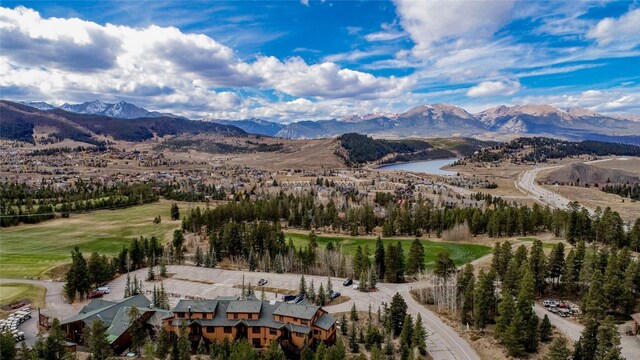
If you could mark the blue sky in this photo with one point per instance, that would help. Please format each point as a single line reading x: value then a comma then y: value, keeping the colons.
x: 293, y: 60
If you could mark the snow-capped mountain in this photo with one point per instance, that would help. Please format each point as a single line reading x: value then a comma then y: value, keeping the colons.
x: 122, y: 109
x: 40, y: 105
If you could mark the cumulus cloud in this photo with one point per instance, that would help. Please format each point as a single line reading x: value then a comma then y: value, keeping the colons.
x: 160, y: 65
x: 430, y: 23
x: 621, y: 32
x: 493, y: 88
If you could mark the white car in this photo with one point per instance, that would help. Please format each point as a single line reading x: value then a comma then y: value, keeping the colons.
x: 356, y: 286
x: 104, y: 289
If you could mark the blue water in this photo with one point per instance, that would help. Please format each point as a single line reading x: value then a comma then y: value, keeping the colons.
x: 432, y: 167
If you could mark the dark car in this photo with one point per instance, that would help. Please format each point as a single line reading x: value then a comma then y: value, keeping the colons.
x: 334, y: 295
x: 262, y: 282
x: 347, y: 282
x: 95, y: 294
x: 287, y: 298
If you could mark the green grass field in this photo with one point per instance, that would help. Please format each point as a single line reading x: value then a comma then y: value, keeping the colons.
x: 29, y: 250
x: 12, y: 292
x: 460, y: 253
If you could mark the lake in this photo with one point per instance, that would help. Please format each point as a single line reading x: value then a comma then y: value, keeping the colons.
x: 433, y: 167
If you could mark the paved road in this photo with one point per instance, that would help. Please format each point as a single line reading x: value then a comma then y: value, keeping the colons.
x: 630, y: 344
x: 526, y: 182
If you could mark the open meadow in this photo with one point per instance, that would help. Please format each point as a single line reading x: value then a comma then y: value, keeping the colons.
x: 461, y: 253
x: 30, y: 250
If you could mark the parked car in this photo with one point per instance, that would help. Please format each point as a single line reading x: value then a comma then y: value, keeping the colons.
x: 287, y: 298
x: 95, y: 294
x: 347, y: 282
x: 334, y: 295
x: 356, y: 286
x: 298, y: 299
x: 104, y: 289
x: 262, y: 282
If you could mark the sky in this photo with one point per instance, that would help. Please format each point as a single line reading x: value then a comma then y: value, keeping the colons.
x: 308, y: 60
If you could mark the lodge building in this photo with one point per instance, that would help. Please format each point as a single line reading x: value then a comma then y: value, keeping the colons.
x: 258, y: 321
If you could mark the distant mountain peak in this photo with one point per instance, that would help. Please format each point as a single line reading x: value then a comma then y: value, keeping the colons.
x: 121, y: 109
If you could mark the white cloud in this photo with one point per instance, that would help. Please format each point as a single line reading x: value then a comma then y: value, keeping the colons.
x: 431, y: 23
x: 494, y: 88
x: 621, y: 32
x: 604, y: 101
x: 71, y: 59
x: 304, y: 2
x: 384, y: 36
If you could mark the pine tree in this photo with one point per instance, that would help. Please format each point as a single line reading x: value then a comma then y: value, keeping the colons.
x: 198, y: 257
x: 406, y: 334
x: 162, y: 344
x: 96, y: 340
x: 444, y: 266
x: 545, y: 329
x: 302, y: 288
x: 151, y: 276
x: 415, y: 264
x: 466, y: 313
x: 396, y: 314
x: 183, y: 344
x: 354, y: 313
x: 322, y: 297
x: 538, y: 266
x: 608, y: 340
x: 136, y: 330
x: 585, y: 347
x: 353, y: 342
x: 419, y: 336
x: 380, y: 258
x: 556, y: 263
x: 373, y: 278
x: 506, y: 311
x: 594, y: 300
x: 559, y: 350
x: 274, y: 352
x: 344, y: 327
x: 311, y: 293
x: 163, y: 268
x: 481, y: 302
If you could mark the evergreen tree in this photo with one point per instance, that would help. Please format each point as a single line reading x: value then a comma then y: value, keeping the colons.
x: 444, y: 266
x: 183, y: 344
x: 585, y: 347
x: 354, y: 313
x: 506, y: 311
x: 538, y: 266
x: 545, y: 329
x: 344, y: 327
x: 306, y: 353
x: 594, y: 300
x: 175, y: 212
x: 322, y: 297
x: 198, y: 258
x: 406, y: 334
x: 420, y: 336
x: 302, y: 287
x: 466, y: 313
x: 96, y: 340
x: 559, y: 350
x: 415, y: 264
x: 162, y: 344
x: 556, y: 263
x: 136, y: 329
x: 8, y: 349
x: 311, y: 293
x: 482, y: 301
x: 77, y: 278
x: 353, y: 342
x: 274, y: 352
x: 608, y: 340
x: 397, y: 313
x: 380, y: 258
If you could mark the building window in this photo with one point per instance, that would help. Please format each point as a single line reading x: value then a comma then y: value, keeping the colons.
x: 211, y: 329
x: 299, y: 334
x: 316, y: 332
x: 227, y: 329
x: 180, y: 315
x: 304, y: 322
x: 273, y: 331
x: 255, y: 330
x: 257, y: 343
x: 235, y: 316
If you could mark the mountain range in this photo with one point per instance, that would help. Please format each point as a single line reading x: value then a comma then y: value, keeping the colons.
x: 429, y: 120
x: 120, y: 110
x: 440, y: 120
